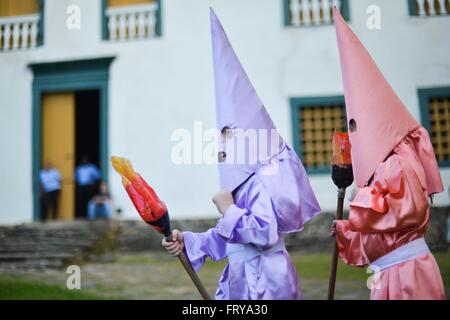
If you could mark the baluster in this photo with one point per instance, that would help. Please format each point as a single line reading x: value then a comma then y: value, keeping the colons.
x: 315, y: 11
x: 151, y: 23
x: 306, y: 12
x: 132, y: 26
x: 326, y: 9
x: 337, y: 3
x: 122, y: 26
x: 141, y: 24
x: 294, y: 6
x: 34, y: 34
x: 7, y: 36
x: 112, y: 27
x: 421, y: 8
x: 321, y: 13
x: 431, y: 4
x: 16, y: 35
x: 442, y: 10
x: 24, y: 37
x: 1, y: 35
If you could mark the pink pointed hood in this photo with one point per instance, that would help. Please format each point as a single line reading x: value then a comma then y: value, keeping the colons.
x: 382, y: 120
x: 239, y: 108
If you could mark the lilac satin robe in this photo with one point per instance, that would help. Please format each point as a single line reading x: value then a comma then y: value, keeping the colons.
x: 252, y: 220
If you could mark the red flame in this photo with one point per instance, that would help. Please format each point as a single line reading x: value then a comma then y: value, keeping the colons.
x: 145, y: 200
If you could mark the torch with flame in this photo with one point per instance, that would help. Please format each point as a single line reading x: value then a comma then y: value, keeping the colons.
x: 342, y: 175
x: 152, y: 210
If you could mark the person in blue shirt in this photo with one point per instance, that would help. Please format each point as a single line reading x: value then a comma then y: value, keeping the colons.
x: 50, y: 183
x: 87, y: 176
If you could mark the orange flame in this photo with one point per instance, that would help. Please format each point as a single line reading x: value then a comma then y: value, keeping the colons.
x: 144, y: 198
x: 341, y: 149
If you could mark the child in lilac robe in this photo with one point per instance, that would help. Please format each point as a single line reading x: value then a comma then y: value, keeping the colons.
x: 249, y: 236
x: 262, y: 199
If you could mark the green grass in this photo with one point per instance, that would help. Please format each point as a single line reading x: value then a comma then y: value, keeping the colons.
x: 443, y: 261
x: 317, y: 266
x: 136, y: 259
x: 156, y: 275
x: 15, y: 288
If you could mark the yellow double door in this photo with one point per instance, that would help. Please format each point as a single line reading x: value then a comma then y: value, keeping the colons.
x: 58, y: 145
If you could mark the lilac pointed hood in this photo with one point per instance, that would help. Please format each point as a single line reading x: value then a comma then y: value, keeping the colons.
x: 239, y: 108
x: 273, y: 161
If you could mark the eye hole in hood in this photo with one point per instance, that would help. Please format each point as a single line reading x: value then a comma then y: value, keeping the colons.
x: 226, y: 133
x: 352, y: 125
x: 221, y: 156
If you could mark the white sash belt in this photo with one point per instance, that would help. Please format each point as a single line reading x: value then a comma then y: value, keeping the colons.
x: 410, y: 251
x: 248, y: 251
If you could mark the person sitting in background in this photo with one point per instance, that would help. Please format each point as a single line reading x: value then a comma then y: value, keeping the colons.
x: 50, y: 181
x: 86, y: 175
x: 100, y: 204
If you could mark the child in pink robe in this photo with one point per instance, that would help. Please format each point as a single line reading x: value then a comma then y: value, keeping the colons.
x: 396, y: 170
x: 393, y: 211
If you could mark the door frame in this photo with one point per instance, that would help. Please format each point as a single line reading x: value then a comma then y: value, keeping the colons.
x: 75, y: 75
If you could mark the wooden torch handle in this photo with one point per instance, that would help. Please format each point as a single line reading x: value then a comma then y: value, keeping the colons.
x: 334, y: 257
x: 194, y: 277
x: 192, y: 274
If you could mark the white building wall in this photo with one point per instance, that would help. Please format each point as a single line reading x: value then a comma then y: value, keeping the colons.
x: 162, y: 84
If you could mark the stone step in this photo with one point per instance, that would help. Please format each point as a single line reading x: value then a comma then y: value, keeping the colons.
x: 51, y: 242
x: 49, y: 245
x: 41, y: 264
x: 43, y: 248
x: 19, y: 256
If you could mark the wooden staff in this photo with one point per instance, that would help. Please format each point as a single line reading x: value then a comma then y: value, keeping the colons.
x: 192, y: 274
x: 334, y: 257
x: 342, y: 175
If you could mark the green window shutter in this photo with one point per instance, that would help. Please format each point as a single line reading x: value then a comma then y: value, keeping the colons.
x: 435, y: 117
x: 314, y: 120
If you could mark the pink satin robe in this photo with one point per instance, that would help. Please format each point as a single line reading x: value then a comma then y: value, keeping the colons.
x: 393, y: 210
